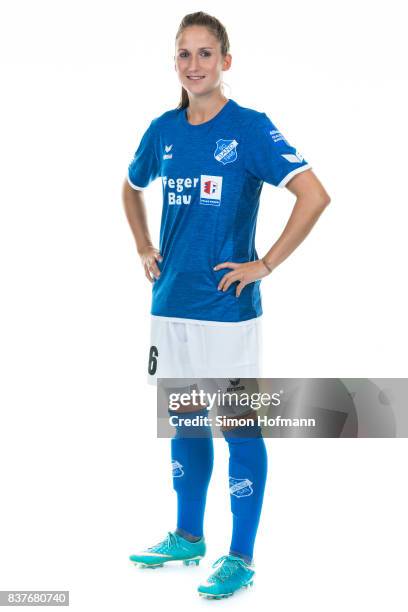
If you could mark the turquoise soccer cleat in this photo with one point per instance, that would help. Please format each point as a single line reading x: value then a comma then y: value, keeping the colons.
x: 172, y: 548
x: 232, y: 574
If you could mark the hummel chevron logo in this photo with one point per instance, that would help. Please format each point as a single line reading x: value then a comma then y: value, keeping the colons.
x: 294, y: 159
x: 168, y: 148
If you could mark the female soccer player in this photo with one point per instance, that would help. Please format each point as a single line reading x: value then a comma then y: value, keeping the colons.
x: 213, y: 156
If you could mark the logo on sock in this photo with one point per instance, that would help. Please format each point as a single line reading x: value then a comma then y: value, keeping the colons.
x: 240, y: 487
x: 177, y: 469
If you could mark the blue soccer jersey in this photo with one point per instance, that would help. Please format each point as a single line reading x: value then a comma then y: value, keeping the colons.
x: 212, y: 177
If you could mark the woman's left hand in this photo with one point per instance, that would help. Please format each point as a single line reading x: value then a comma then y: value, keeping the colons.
x: 242, y: 273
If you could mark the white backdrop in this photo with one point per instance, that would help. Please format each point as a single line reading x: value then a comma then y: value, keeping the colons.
x: 84, y: 481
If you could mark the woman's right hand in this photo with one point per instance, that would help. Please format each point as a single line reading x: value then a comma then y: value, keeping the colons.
x: 149, y: 255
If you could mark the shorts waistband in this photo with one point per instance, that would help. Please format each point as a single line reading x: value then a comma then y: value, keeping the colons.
x: 203, y: 322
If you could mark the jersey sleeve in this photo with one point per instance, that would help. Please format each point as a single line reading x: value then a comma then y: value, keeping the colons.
x: 269, y: 156
x: 145, y: 166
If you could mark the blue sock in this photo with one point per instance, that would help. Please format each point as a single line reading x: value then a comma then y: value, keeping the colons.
x: 248, y: 466
x: 192, y: 455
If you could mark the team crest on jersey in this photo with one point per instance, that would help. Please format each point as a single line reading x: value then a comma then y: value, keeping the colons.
x: 240, y: 487
x: 210, y: 190
x: 177, y: 469
x: 226, y: 151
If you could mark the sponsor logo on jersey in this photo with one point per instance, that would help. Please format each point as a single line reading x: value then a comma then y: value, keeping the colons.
x: 179, y: 190
x: 210, y: 187
x: 182, y: 190
x: 210, y: 190
x: 167, y: 149
x: 226, y: 151
x: 177, y: 469
x: 277, y: 136
x: 293, y: 158
x: 240, y: 487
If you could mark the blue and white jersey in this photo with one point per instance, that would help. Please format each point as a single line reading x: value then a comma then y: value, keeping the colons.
x: 212, y: 176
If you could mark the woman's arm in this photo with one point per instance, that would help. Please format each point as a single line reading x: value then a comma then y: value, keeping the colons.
x: 311, y: 200
x: 135, y: 209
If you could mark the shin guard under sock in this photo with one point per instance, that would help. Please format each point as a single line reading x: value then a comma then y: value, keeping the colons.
x: 248, y: 464
x: 192, y: 457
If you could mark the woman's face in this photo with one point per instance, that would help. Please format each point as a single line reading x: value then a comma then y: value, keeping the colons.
x: 198, y: 54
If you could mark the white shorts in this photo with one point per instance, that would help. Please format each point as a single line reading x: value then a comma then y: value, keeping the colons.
x: 188, y: 348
